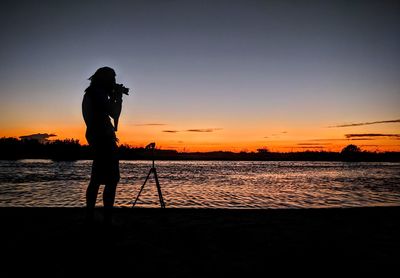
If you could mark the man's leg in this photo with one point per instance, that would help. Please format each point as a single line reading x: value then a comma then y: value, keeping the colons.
x: 108, y: 201
x: 91, y: 196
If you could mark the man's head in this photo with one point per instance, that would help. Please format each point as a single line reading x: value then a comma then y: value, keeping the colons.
x: 104, y: 77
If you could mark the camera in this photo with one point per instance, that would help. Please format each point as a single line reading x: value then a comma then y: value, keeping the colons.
x: 150, y: 146
x: 121, y: 89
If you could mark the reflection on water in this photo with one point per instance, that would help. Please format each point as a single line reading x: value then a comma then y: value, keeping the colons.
x: 211, y: 184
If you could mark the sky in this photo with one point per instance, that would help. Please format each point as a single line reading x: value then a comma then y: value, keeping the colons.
x: 208, y: 75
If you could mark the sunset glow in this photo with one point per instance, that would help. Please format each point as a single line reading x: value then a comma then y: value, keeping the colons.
x: 219, y: 77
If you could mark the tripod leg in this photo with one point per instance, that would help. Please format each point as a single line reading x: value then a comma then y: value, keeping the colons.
x: 137, y: 197
x: 162, y: 204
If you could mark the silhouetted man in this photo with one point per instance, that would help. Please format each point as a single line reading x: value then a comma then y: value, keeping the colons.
x: 102, y: 100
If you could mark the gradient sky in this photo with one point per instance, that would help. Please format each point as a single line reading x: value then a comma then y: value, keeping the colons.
x: 208, y: 75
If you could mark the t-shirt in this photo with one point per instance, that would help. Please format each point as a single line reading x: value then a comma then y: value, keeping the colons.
x: 95, y: 110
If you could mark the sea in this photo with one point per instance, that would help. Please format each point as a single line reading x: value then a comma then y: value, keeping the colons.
x: 207, y: 184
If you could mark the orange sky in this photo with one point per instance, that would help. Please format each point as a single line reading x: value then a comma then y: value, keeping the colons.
x: 183, y: 137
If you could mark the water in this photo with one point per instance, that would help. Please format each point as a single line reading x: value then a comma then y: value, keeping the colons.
x: 208, y: 184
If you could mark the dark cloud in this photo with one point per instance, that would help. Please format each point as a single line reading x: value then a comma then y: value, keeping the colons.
x: 367, y: 123
x: 351, y: 137
x: 368, y: 135
x: 363, y: 139
x: 170, y: 131
x: 204, y: 130
x: 41, y: 137
x: 193, y: 130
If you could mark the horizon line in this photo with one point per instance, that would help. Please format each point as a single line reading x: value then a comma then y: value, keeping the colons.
x: 262, y: 149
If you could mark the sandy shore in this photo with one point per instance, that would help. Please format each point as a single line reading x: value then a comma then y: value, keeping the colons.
x: 55, y: 242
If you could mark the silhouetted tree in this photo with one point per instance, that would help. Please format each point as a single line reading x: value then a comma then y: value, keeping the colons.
x: 263, y: 150
x: 67, y: 149
x: 9, y: 148
x: 351, y: 149
x: 351, y: 153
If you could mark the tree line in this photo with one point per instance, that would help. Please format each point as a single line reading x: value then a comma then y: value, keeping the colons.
x: 70, y: 149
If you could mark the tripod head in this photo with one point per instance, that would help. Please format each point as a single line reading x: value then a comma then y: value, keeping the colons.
x: 151, y: 147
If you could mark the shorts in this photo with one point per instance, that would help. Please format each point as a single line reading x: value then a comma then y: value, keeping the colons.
x: 105, y: 167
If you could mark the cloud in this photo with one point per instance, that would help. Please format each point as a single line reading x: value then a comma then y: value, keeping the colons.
x: 276, y: 135
x: 193, y: 130
x: 363, y: 139
x: 203, y: 130
x: 151, y: 124
x: 41, y: 137
x: 368, y: 135
x: 170, y: 131
x: 355, y: 137
x: 367, y: 123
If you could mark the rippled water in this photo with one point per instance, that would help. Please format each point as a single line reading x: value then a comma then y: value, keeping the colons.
x: 211, y: 184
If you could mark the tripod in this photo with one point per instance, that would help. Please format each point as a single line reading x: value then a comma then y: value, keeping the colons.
x: 154, y: 171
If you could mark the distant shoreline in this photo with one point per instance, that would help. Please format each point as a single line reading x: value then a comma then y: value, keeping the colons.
x: 209, y: 159
x: 70, y: 150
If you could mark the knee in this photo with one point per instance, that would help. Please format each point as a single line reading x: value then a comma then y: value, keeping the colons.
x: 110, y: 188
x: 93, y: 186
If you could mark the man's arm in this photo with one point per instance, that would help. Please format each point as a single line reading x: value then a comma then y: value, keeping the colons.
x: 114, y: 109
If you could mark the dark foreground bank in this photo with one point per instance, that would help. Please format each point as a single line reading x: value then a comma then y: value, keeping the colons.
x: 55, y: 242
